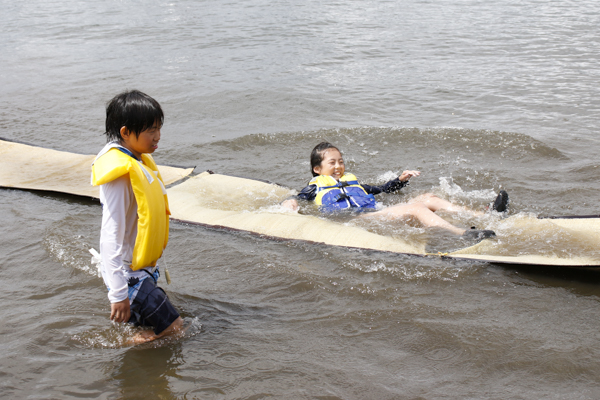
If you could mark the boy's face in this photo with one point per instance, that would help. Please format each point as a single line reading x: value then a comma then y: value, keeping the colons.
x: 332, y: 164
x: 146, y: 142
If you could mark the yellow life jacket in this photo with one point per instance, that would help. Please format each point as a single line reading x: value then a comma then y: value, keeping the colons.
x: 150, y: 195
x: 333, y: 196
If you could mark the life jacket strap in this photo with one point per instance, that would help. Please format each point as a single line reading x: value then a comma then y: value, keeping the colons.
x: 127, y: 151
x: 340, y: 184
x: 342, y: 196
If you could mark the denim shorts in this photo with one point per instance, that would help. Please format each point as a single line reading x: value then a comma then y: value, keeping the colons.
x: 151, y: 306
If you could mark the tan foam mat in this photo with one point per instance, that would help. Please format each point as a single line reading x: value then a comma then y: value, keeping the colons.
x: 252, y: 206
x: 24, y: 166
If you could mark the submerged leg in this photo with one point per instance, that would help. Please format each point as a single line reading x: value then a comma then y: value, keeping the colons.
x: 149, y: 335
x: 419, y: 211
x: 435, y: 203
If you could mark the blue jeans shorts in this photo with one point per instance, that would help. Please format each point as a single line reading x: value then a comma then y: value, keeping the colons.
x: 151, y: 306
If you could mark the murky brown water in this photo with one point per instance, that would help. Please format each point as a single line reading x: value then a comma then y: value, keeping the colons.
x: 477, y: 96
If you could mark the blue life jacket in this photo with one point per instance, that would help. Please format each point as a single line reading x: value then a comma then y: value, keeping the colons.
x: 346, y: 194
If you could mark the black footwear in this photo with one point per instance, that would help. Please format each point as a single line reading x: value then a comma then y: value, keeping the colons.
x: 478, y: 234
x: 501, y: 202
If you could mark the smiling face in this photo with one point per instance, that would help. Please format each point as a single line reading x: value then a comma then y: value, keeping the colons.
x: 332, y: 164
x: 146, y: 142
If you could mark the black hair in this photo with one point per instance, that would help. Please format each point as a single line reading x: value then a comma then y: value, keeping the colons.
x: 316, y: 156
x: 134, y: 110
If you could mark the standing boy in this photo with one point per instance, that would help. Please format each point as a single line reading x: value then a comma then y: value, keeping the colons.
x: 135, y: 215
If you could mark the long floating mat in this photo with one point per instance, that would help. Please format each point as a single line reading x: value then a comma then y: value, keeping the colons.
x: 248, y: 205
x: 239, y: 204
x: 571, y: 235
x: 24, y: 166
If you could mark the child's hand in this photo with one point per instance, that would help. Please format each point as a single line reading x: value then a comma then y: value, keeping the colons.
x: 406, y: 175
x: 120, y: 312
x: 290, y: 204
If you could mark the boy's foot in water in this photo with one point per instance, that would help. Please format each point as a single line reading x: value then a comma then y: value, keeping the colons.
x: 478, y: 234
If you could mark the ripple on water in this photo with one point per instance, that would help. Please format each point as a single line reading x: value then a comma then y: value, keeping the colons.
x: 121, y: 335
x: 70, y: 248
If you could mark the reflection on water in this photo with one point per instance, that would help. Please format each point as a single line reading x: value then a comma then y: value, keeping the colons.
x: 145, y: 373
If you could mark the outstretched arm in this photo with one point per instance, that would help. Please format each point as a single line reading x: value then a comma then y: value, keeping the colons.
x: 406, y: 175
x: 308, y: 193
x: 393, y: 185
x: 290, y: 204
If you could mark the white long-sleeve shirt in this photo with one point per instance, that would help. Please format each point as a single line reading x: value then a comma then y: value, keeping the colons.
x: 117, y: 237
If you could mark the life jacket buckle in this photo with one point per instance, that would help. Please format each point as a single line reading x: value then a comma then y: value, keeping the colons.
x: 342, y: 196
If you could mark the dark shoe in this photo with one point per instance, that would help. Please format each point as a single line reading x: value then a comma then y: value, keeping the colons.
x: 478, y: 234
x: 501, y: 202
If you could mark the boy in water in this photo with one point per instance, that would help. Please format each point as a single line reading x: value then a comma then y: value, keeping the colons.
x: 135, y: 216
x: 334, y: 190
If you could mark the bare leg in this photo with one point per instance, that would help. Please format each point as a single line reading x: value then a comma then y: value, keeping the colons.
x: 435, y: 203
x: 418, y: 211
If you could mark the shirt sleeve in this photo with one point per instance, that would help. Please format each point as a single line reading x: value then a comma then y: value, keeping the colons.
x: 388, y: 187
x: 308, y: 193
x: 116, y: 199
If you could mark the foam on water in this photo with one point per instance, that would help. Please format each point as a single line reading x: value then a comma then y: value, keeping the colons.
x: 69, y: 251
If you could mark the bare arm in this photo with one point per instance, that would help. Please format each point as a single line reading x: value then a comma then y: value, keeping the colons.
x: 308, y: 193
x: 120, y: 311
x: 406, y: 175
x: 290, y: 204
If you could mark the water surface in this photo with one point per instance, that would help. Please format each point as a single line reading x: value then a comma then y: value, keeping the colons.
x: 479, y: 96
